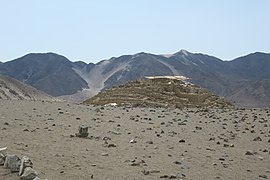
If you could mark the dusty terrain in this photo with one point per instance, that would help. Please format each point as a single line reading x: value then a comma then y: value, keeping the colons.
x: 167, y: 143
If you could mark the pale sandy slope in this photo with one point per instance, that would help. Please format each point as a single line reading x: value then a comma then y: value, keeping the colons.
x: 13, y: 89
x: 41, y: 130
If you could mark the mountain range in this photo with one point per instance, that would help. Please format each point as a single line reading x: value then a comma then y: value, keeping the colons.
x: 244, y: 81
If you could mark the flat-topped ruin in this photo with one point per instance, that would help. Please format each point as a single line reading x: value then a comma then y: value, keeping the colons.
x: 180, y: 78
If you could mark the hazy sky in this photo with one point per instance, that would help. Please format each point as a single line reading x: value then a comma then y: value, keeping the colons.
x: 92, y: 30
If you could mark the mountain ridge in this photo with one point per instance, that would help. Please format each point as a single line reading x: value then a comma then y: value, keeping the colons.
x: 58, y: 76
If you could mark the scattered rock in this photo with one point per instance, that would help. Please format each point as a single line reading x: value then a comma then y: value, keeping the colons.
x: 164, y: 176
x: 177, y: 162
x: 116, y: 132
x: 83, y: 131
x: 111, y: 145
x: 263, y: 176
x: 154, y: 171
x: 249, y: 153
x: 257, y: 139
x: 133, y: 141
x: 149, y: 142
x: 145, y: 172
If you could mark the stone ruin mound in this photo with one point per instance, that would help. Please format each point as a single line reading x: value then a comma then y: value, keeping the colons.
x: 159, y: 92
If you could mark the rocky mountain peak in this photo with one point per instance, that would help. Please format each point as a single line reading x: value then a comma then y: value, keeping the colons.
x: 183, y: 52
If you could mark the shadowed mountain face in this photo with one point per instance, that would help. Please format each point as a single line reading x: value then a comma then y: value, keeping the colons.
x: 50, y: 73
x: 13, y: 89
x: 76, y: 81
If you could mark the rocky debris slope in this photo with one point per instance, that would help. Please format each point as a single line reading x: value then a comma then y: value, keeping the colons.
x: 159, y: 92
x: 16, y: 90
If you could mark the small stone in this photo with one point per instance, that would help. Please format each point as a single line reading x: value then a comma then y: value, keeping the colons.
x: 154, y: 171
x: 249, y: 153
x: 257, y: 139
x: 181, y: 175
x: 116, y: 132
x: 135, y: 164
x: 145, y: 172
x: 132, y: 141
x: 177, y: 162
x: 172, y: 177
x: 221, y: 159
x: 83, y: 131
x: 182, y: 141
x: 164, y: 176
x: 104, y: 154
x: 263, y: 176
x: 111, y: 145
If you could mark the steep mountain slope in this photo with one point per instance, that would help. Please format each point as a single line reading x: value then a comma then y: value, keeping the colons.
x: 159, y: 92
x: 254, y: 66
x: 251, y: 94
x: 49, y: 72
x: 13, y: 89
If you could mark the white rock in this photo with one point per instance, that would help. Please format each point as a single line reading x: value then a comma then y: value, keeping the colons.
x: 3, y: 151
x: 132, y: 141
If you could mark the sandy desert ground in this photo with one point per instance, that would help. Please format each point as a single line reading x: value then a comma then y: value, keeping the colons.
x: 136, y: 143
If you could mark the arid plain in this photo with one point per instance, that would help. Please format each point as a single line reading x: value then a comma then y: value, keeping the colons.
x: 136, y: 143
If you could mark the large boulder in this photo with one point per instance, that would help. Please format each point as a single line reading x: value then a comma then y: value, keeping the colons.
x: 25, y: 162
x: 29, y: 174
